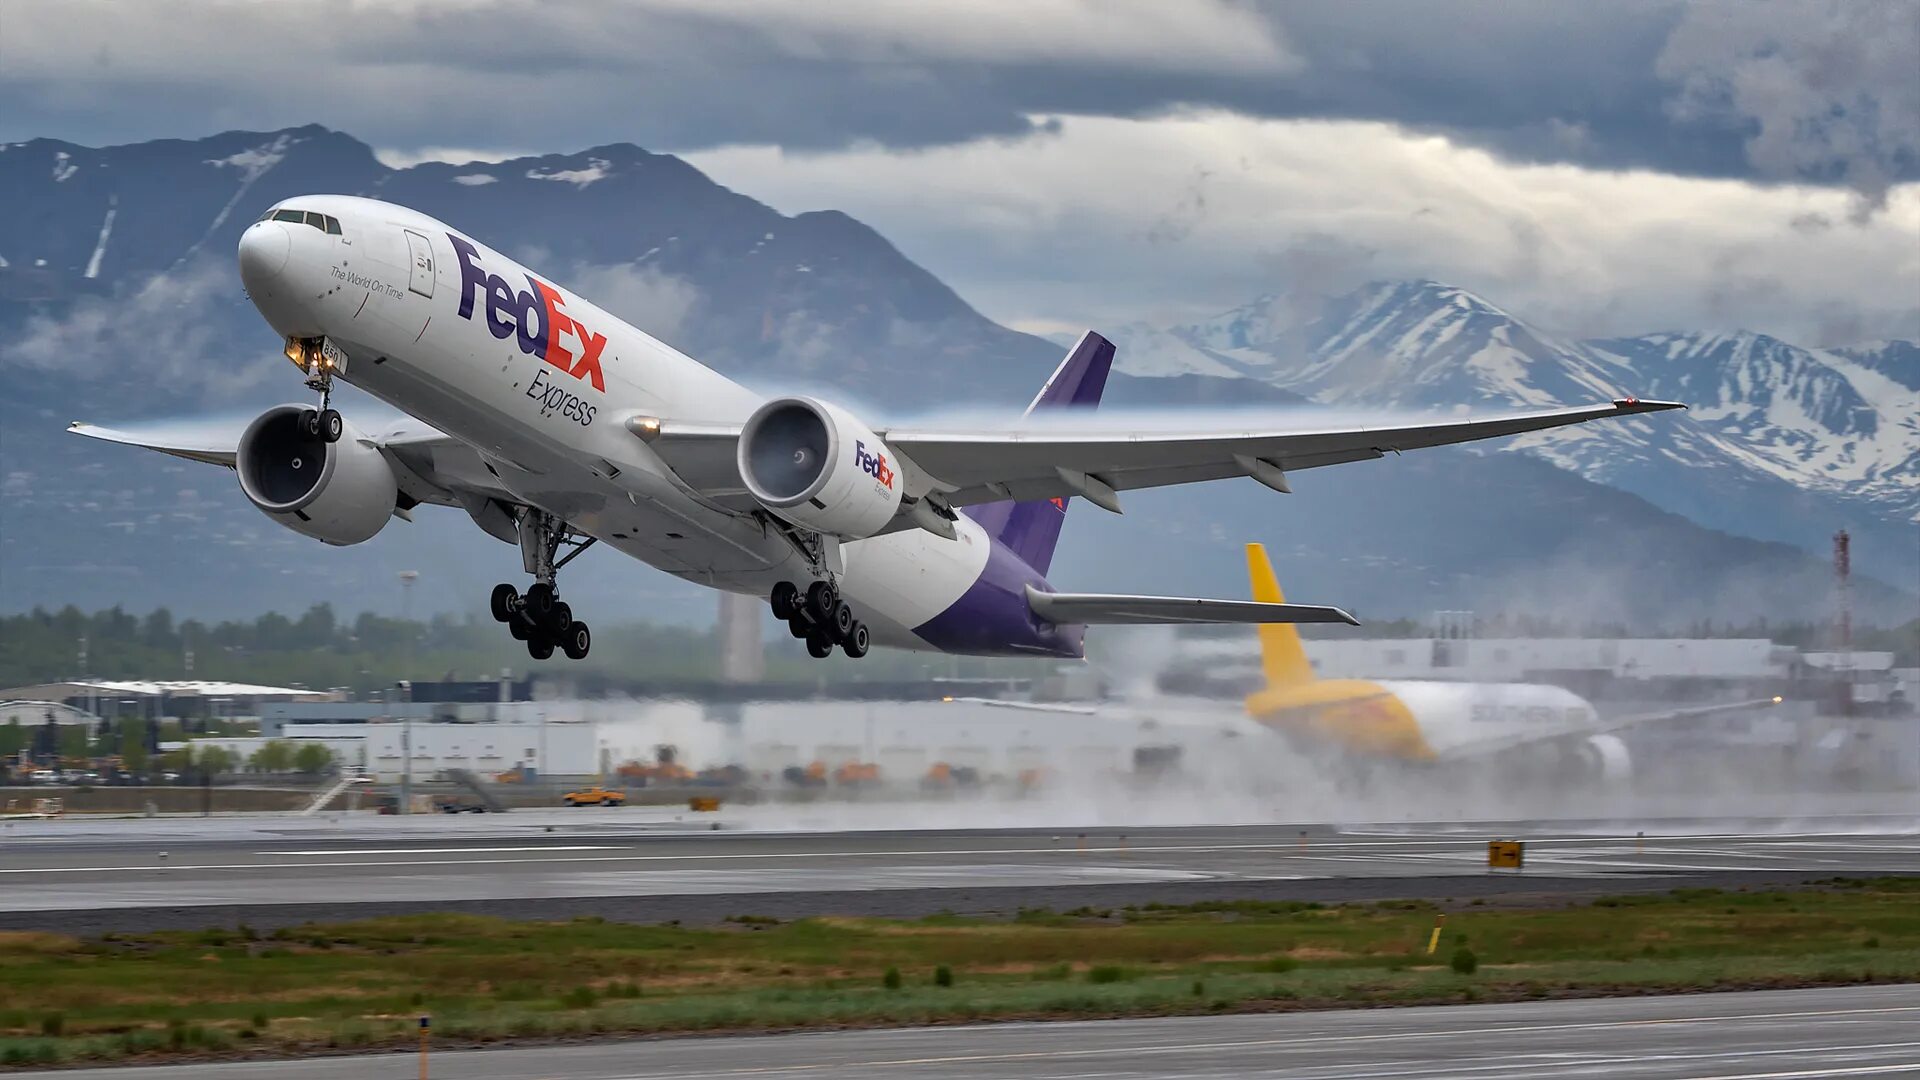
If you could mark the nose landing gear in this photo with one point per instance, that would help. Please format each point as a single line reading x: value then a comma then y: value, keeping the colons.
x: 539, y: 617
x: 821, y: 617
x: 321, y: 360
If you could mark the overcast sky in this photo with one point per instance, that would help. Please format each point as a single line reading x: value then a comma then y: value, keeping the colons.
x: 1599, y: 168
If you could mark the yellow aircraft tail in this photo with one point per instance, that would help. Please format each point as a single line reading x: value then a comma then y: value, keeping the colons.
x: 1281, y: 656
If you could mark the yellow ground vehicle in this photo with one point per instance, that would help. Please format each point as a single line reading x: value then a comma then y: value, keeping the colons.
x: 588, y: 796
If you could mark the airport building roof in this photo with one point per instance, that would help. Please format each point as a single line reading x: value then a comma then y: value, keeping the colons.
x: 61, y: 691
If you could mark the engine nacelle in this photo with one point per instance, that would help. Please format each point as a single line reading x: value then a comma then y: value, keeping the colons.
x: 815, y: 465
x: 1603, y: 759
x: 341, y: 492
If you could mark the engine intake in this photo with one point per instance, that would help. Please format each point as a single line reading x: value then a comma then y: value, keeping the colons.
x: 340, y: 493
x: 815, y: 465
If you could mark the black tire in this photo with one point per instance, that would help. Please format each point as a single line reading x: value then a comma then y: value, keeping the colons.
x: 819, y: 645
x: 310, y: 423
x: 606, y: 802
x: 857, y: 641
x: 820, y: 598
x: 559, y: 619
x: 540, y: 648
x: 577, y: 642
x: 505, y: 598
x: 799, y: 628
x: 332, y: 425
x: 785, y: 600
x: 540, y: 601
x: 840, y: 623
x: 519, y: 629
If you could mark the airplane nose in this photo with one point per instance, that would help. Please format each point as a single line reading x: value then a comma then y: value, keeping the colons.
x: 264, y: 248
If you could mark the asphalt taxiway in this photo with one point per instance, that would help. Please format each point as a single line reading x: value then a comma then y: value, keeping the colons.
x: 92, y: 876
x: 1769, y: 1035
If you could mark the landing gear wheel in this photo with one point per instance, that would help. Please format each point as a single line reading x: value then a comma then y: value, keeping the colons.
x: 540, y: 600
x: 785, y: 600
x: 840, y: 621
x: 855, y: 643
x: 332, y: 426
x: 519, y: 629
x: 559, y: 619
x: 798, y: 628
x: 819, y: 645
x: 506, y: 599
x: 310, y: 423
x: 820, y: 598
x: 540, y: 648
x: 576, y: 641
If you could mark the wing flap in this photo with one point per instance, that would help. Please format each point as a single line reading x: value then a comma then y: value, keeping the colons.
x: 1119, y: 609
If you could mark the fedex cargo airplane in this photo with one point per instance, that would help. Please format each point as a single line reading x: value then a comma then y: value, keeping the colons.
x: 556, y: 426
x: 1436, y: 722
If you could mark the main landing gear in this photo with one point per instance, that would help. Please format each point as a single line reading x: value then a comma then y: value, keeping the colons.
x: 539, y: 617
x: 821, y: 617
x: 542, y: 620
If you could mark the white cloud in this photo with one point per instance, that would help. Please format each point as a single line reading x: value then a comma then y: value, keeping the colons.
x: 159, y: 328
x: 1104, y: 221
x: 1832, y: 89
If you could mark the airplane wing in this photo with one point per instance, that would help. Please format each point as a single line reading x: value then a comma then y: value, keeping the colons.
x: 214, y: 446
x: 431, y: 466
x: 1610, y: 725
x: 977, y: 467
x: 1095, y: 609
x: 1036, y: 463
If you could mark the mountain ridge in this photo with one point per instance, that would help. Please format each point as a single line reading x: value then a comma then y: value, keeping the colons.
x: 161, y: 329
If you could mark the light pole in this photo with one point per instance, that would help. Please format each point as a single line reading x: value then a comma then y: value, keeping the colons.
x: 407, y: 578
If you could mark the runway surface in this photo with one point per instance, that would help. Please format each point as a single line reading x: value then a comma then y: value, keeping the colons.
x: 91, y: 876
x: 1770, y: 1035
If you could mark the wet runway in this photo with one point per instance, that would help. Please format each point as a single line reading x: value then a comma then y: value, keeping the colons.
x: 644, y: 864
x: 1771, y: 1035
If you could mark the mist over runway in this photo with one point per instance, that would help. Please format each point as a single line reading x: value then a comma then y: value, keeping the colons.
x: 649, y: 865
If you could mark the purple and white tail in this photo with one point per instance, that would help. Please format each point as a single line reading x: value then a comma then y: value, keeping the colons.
x: 1031, y: 529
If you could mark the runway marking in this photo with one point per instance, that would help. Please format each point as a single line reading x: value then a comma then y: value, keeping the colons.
x: 447, y: 850
x: 1298, y: 1041
x: 1063, y: 849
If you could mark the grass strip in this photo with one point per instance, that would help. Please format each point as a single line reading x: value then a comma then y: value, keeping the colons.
x: 339, y: 986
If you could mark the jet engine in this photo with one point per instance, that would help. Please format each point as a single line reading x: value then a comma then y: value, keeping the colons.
x: 815, y: 465
x: 1602, y: 760
x: 340, y: 492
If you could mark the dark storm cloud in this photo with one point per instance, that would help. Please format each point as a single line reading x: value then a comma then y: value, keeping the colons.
x: 1705, y: 89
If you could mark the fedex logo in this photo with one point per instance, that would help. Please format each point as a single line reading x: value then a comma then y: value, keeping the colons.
x: 874, y: 465
x: 534, y: 316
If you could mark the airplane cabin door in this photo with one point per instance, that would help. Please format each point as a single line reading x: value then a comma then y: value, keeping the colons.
x: 420, y: 277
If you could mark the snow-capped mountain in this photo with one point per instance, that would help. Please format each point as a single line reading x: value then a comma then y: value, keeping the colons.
x: 1782, y: 442
x: 119, y: 302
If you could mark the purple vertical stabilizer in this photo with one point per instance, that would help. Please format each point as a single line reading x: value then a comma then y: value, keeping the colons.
x: 1031, y: 529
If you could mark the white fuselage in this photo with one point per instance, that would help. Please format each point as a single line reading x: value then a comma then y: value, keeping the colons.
x: 1456, y: 718
x: 389, y: 291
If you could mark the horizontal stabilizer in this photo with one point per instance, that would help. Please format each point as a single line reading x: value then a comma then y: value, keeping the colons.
x: 1095, y: 609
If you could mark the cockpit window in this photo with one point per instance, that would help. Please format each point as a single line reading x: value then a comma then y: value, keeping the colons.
x: 268, y: 216
x: 326, y: 223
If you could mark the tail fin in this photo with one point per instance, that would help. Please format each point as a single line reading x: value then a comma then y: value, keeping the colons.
x: 1281, y: 657
x: 1031, y: 529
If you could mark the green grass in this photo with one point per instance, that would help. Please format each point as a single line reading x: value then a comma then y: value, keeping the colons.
x: 365, y: 984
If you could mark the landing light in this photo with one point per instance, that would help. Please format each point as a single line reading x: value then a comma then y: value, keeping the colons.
x: 1777, y: 699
